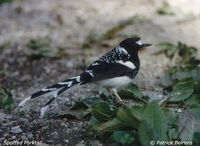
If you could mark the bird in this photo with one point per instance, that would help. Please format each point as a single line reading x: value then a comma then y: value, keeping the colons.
x: 114, y: 70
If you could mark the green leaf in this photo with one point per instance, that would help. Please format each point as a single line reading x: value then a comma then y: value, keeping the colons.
x: 165, y: 9
x: 5, y: 1
x: 154, y: 117
x: 192, y: 63
x: 172, y: 124
x: 196, y: 85
x: 109, y: 34
x: 123, y: 137
x: 133, y: 92
x: 181, y: 91
x: 154, y: 125
x: 194, y: 74
x: 102, y: 111
x: 79, y: 105
x: 35, y: 44
x: 129, y: 117
x: 193, y: 101
x: 146, y: 133
x: 196, y: 112
x: 186, y: 51
x: 166, y: 80
x: 41, y: 48
x: 166, y: 48
x: 111, y: 125
x: 181, y: 53
x: 172, y: 133
x: 89, y: 101
x: 6, y: 100
x: 78, y: 111
x: 196, y: 139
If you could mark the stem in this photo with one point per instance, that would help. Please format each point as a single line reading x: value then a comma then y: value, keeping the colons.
x: 174, y: 58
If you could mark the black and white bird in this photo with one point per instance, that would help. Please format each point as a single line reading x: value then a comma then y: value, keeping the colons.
x: 113, y: 70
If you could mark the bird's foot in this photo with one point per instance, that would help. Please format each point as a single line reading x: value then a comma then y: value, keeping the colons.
x: 120, y: 102
x: 117, y: 98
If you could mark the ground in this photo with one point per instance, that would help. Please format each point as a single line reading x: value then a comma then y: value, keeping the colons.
x: 78, y: 32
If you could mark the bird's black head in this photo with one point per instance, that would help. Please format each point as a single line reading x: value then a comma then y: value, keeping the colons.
x: 133, y: 44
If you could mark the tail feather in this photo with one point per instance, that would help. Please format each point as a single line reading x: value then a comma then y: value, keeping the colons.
x: 57, y: 89
x: 54, y: 90
x: 45, y: 107
x: 43, y: 110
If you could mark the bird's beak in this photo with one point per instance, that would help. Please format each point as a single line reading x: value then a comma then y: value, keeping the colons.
x: 145, y: 45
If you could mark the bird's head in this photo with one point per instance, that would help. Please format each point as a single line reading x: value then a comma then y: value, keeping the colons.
x: 133, y: 44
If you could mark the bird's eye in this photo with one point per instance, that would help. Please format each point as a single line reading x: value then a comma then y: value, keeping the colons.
x: 139, y: 42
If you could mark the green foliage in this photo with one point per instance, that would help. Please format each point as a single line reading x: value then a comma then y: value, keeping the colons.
x: 150, y: 122
x: 40, y: 48
x: 81, y: 109
x: 184, y: 51
x: 91, y: 39
x: 165, y: 10
x: 155, y: 117
x: 134, y: 93
x: 184, y: 80
x: 4, y: 46
x: 182, y: 91
x: 6, y: 100
x: 123, y: 137
x: 184, y: 74
x: 108, y: 126
x: 129, y: 117
x: 102, y: 111
x: 18, y: 10
x: 196, y: 112
x: 196, y: 139
x: 37, y: 44
x: 78, y: 111
x: 109, y: 34
x: 5, y: 1
x: 3, y: 72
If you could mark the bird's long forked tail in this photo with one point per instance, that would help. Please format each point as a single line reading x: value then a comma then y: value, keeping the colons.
x: 54, y: 91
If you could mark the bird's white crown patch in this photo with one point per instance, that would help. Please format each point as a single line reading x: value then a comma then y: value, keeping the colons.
x: 139, y: 42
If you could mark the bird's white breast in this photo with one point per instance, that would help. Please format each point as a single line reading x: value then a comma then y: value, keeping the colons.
x: 117, y: 82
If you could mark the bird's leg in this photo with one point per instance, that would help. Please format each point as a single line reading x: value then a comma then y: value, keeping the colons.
x: 117, y: 97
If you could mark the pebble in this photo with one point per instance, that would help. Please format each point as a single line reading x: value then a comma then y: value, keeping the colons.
x: 16, y: 129
x: 24, y: 137
x: 66, y: 140
x: 13, y: 137
x: 30, y: 135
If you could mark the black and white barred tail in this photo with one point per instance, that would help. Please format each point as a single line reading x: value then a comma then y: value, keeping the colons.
x: 54, y: 91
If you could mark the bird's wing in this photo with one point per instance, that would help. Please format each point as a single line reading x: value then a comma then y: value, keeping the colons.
x: 113, y: 64
x: 118, y: 53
